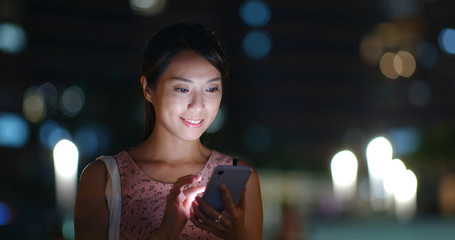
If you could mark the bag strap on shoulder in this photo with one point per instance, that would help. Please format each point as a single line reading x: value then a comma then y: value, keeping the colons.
x: 113, y: 196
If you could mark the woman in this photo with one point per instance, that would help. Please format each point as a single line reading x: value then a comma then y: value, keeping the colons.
x: 183, y: 71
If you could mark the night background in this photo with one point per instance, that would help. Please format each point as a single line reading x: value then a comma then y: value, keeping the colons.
x: 308, y: 79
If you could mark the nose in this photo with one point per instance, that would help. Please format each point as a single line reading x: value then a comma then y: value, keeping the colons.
x: 196, y: 102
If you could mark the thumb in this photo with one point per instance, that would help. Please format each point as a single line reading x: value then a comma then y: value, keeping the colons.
x: 191, y: 195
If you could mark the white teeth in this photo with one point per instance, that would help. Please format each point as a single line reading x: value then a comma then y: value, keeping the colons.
x: 192, y: 121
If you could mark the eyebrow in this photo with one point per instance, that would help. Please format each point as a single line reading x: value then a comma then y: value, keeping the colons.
x: 190, y: 81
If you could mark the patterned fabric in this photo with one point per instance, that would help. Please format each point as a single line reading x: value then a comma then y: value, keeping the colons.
x: 144, y: 199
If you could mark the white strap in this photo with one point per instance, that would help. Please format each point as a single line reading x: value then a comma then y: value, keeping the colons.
x: 113, y: 196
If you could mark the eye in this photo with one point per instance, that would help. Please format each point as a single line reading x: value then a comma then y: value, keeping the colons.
x: 212, y: 89
x: 181, y: 90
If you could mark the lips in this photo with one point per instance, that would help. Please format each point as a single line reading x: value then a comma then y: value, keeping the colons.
x: 192, y: 123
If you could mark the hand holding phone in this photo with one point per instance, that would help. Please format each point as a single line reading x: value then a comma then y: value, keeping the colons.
x: 233, y: 177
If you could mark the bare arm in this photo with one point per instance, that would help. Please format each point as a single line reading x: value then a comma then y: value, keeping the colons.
x: 253, y: 209
x: 91, y: 214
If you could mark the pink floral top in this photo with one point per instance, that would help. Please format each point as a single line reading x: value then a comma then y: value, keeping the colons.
x: 144, y: 199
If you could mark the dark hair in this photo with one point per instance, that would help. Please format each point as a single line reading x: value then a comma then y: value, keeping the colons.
x: 167, y: 42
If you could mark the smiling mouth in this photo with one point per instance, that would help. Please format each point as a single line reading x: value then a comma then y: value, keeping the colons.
x: 192, y: 123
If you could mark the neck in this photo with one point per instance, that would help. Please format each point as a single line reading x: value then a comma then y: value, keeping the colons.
x: 170, y: 149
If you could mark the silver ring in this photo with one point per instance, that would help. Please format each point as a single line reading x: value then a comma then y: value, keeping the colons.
x: 218, y: 219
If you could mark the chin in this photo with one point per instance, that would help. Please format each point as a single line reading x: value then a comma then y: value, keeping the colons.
x: 192, y: 136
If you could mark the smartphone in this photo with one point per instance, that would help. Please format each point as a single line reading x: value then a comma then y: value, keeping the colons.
x: 235, y: 179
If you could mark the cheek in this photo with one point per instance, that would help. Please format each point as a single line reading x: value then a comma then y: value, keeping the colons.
x: 213, y: 107
x: 172, y: 104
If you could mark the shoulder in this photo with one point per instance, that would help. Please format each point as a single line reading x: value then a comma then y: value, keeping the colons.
x: 92, y: 184
x: 254, y: 179
x: 94, y: 172
x: 98, y: 169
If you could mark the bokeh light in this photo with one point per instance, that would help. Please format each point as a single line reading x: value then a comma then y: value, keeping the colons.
x: 49, y: 92
x: 379, y: 153
x: 14, y: 130
x: 258, y: 138
x: 68, y: 228
x: 371, y: 49
x: 33, y: 106
x: 66, y: 158
x: 393, y: 175
x: 344, y: 175
x: 419, y: 93
x: 92, y: 138
x: 390, y: 34
x: 406, y: 196
x: 50, y: 133
x: 404, y: 63
x: 447, y: 40
x: 255, y: 13
x: 344, y: 167
x: 148, y: 7
x: 257, y: 44
x: 12, y: 38
x: 72, y: 101
x: 406, y: 186
x: 219, y: 121
x: 6, y: 214
x: 427, y: 55
x: 446, y: 194
x: 387, y: 67
x: 394, y: 65
x: 399, y: 185
x: 404, y: 140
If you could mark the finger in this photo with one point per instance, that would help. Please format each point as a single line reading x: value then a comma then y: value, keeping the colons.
x: 172, y: 196
x: 209, y: 211
x: 193, y: 191
x: 179, y: 186
x: 191, y: 194
x: 201, y: 224
x: 226, y: 197
x: 198, y: 178
x: 202, y: 216
x: 181, y: 182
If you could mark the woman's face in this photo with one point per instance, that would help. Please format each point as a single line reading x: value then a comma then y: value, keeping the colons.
x: 187, y: 96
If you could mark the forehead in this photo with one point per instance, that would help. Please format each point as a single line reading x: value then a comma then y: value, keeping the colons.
x: 190, y: 65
